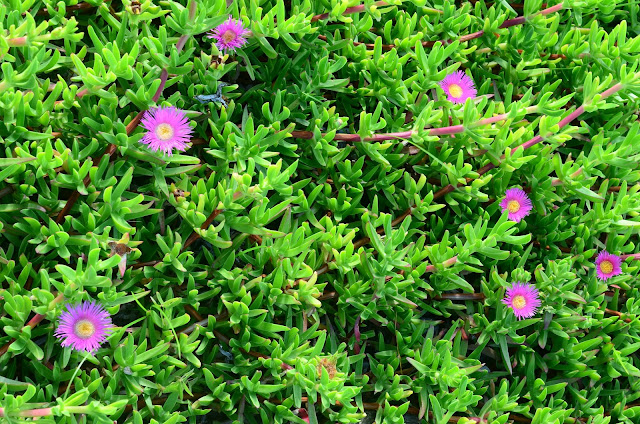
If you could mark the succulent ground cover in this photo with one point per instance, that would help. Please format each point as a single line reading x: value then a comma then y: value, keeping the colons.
x: 331, y: 211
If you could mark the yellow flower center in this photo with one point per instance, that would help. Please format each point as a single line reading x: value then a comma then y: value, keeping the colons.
x: 519, y: 302
x: 606, y: 267
x: 513, y: 206
x: 228, y: 36
x: 164, y: 132
x: 84, y: 329
x: 455, y: 90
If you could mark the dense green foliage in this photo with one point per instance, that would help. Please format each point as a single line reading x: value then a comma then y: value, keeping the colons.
x: 282, y: 262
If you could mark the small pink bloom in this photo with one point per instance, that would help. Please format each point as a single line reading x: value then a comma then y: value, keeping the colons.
x: 522, y: 298
x: 84, y: 327
x: 168, y: 128
x: 458, y: 87
x: 608, y: 265
x: 229, y: 35
x: 517, y: 203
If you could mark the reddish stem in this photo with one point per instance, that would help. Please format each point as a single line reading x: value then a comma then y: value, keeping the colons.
x: 33, y: 322
x: 446, y: 264
x: 348, y: 11
x: 163, y: 81
x: 111, y: 148
x: 616, y: 313
x: 195, y: 236
x: 506, y: 24
x: 17, y: 42
x: 84, y: 6
x: 454, y: 129
x: 563, y: 123
x: 513, y: 22
x: 226, y: 340
x: 449, y: 188
x: 41, y: 412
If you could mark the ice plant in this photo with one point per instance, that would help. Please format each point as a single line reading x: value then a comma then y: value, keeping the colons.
x: 229, y: 35
x: 517, y: 203
x: 522, y: 298
x: 84, y: 327
x: 608, y: 265
x: 458, y: 87
x: 168, y: 128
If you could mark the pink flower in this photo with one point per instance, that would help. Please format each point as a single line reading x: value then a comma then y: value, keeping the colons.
x: 459, y: 87
x: 168, y: 128
x: 608, y: 265
x: 517, y: 203
x: 229, y: 35
x: 522, y: 298
x: 84, y: 327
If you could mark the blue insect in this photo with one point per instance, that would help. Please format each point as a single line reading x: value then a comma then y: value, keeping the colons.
x: 227, y: 355
x: 217, y: 98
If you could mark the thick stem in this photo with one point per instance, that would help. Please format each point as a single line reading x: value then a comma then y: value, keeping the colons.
x: 515, y: 21
x: 454, y: 129
x: 17, y: 42
x: 33, y: 322
x: 164, y: 75
x: 446, y: 264
x: 449, y: 188
x: 193, y: 7
x: 111, y: 149
x: 163, y: 81
x: 41, y: 412
x: 563, y: 123
x: 194, y: 236
x: 348, y: 11
x: 506, y: 24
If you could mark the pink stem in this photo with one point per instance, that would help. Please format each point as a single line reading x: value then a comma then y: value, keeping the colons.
x: 348, y: 11
x: 513, y: 22
x: 631, y: 255
x: 564, y: 122
x: 454, y: 129
x: 43, y: 412
x: 450, y: 188
x: 17, y: 42
x: 506, y: 24
x: 181, y: 42
x: 163, y: 81
x: 446, y: 264
x: 32, y: 323
x: 179, y: 46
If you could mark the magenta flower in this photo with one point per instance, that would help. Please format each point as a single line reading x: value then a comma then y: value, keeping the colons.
x: 84, y: 327
x: 517, y: 203
x: 229, y: 35
x: 459, y: 87
x: 168, y: 128
x: 522, y: 298
x: 608, y: 265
